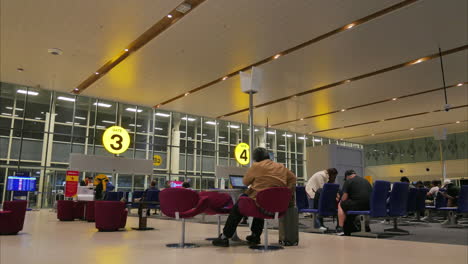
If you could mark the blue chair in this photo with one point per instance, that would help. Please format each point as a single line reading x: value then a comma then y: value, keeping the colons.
x: 152, y: 196
x: 411, y: 204
x: 439, y: 202
x: 327, y: 205
x: 461, y: 209
x: 378, y: 208
x: 301, y: 199
x: 112, y: 196
x: 398, y: 203
x: 420, y: 204
x: 136, y: 195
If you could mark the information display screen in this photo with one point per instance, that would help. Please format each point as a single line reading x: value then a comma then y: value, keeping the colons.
x: 16, y: 183
x: 176, y: 184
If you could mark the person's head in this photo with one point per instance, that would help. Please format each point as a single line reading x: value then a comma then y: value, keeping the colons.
x: 447, y: 182
x: 332, y: 172
x: 153, y: 184
x: 185, y: 185
x: 420, y: 184
x: 260, y: 154
x: 349, y: 174
x: 404, y: 179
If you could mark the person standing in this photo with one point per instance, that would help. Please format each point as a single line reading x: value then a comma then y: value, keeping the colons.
x: 263, y: 174
x: 314, y: 186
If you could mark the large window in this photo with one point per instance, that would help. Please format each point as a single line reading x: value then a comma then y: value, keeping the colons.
x: 39, y: 129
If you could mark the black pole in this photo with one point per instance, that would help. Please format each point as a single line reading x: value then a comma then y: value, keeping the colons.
x: 443, y: 75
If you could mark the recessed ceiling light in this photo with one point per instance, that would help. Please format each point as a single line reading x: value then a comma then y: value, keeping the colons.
x: 350, y: 26
x: 347, y: 81
x: 126, y: 49
x: 225, y: 78
x: 159, y: 105
x: 97, y: 73
x: 417, y: 61
x: 458, y: 122
x: 341, y: 138
x: 169, y: 16
x: 27, y: 92
x: 186, y: 94
x: 394, y: 99
x: 276, y: 56
x: 342, y: 110
x: 373, y: 135
x: 55, y: 51
x: 76, y: 89
x: 411, y: 129
x: 460, y: 84
x: 302, y: 119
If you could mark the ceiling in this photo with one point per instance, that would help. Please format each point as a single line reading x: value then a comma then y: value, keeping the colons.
x: 220, y: 37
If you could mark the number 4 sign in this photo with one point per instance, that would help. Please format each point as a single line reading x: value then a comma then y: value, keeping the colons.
x: 242, y: 153
x: 116, y: 140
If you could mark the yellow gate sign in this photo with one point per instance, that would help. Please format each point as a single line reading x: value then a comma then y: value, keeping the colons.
x: 157, y: 160
x: 116, y: 139
x: 242, y: 153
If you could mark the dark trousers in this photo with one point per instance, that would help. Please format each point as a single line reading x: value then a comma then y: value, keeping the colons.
x: 234, y: 219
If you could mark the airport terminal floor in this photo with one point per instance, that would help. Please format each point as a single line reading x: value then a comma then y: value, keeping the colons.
x: 47, y: 240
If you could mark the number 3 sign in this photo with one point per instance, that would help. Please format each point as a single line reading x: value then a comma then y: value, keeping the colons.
x: 116, y: 140
x: 242, y: 153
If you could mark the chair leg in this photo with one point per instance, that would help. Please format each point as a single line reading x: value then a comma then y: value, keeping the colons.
x: 430, y: 217
x: 364, y: 221
x: 219, y: 229
x: 395, y: 228
x: 313, y: 229
x: 182, y: 243
x: 265, y: 246
x: 451, y: 221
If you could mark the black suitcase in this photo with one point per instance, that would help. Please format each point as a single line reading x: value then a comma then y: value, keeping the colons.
x: 289, y: 228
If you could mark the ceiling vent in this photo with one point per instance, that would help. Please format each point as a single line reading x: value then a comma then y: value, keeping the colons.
x: 184, y: 8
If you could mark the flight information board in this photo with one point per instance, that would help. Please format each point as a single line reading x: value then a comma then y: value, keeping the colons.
x: 16, y: 183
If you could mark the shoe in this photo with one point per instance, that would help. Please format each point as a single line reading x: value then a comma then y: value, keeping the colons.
x: 424, y: 218
x: 368, y: 229
x: 339, y: 231
x: 221, y: 242
x: 322, y: 228
x: 253, y: 240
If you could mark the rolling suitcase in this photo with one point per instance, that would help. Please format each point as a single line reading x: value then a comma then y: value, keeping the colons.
x: 289, y: 228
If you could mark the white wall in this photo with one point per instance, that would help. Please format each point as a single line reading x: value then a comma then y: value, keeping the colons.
x: 417, y: 171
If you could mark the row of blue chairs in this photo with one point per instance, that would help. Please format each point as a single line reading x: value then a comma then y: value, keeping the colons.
x: 152, y: 195
x: 386, y: 202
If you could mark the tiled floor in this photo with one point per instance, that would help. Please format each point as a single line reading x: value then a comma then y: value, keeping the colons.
x: 46, y: 240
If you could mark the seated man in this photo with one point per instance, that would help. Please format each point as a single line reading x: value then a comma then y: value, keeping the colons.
x: 263, y: 174
x: 356, y: 197
x: 152, y: 187
x: 313, y: 190
x: 451, y: 193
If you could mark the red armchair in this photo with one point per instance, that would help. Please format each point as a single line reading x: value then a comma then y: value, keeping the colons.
x: 90, y: 211
x: 271, y: 203
x: 219, y: 204
x: 65, y: 210
x: 182, y: 203
x: 12, y: 217
x: 110, y: 215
